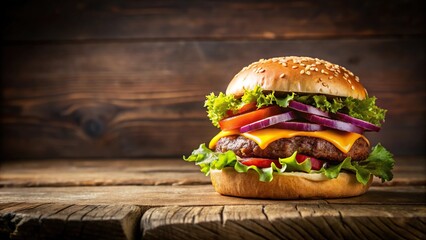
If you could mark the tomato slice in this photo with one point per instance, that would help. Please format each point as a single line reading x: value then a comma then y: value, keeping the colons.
x: 249, y: 117
x: 245, y: 108
x: 260, y: 162
x: 315, y: 163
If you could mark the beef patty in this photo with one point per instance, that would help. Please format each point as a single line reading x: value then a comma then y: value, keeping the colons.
x: 285, y: 147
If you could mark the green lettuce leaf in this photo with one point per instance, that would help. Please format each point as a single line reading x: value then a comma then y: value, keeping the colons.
x: 265, y: 174
x: 208, y: 159
x: 365, y: 109
x: 294, y: 166
x: 379, y: 163
x: 219, y: 106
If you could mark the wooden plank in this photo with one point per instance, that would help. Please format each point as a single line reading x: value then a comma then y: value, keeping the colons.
x: 286, y: 221
x: 389, y: 194
x: 186, y: 195
x: 409, y: 171
x: 69, y: 221
x: 63, y: 173
x: 144, y: 99
x: 112, y: 19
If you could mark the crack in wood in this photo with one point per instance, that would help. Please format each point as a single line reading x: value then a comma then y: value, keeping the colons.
x: 222, y: 221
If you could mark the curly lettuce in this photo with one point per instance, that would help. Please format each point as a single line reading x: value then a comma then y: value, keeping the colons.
x: 219, y: 106
x: 379, y: 163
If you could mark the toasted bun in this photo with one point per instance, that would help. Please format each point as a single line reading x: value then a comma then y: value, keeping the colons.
x: 300, y: 75
x: 285, y: 186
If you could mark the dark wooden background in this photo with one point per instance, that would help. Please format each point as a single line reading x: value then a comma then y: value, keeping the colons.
x: 127, y: 79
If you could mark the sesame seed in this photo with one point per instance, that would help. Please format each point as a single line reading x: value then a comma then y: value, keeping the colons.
x: 312, y: 68
x: 308, y: 72
x: 349, y: 81
x: 331, y: 77
x: 318, y: 63
x: 351, y: 73
x: 352, y: 86
x: 302, y: 71
x: 302, y: 64
x: 262, y: 70
x: 316, y: 69
x: 282, y: 75
x: 357, y: 78
x: 284, y: 64
x: 294, y: 67
x: 346, y: 75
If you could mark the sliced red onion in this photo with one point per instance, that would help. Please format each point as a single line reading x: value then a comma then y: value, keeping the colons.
x: 301, y: 107
x: 266, y: 122
x: 300, y: 126
x: 335, y: 124
x: 357, y: 122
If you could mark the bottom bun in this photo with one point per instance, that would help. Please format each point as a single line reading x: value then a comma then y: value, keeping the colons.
x: 286, y: 185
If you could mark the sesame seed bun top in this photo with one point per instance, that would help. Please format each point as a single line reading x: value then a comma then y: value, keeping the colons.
x: 300, y: 75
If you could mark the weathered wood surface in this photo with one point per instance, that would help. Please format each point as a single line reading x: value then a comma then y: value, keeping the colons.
x: 79, y: 172
x: 144, y: 99
x: 159, y: 209
x: 280, y: 220
x: 115, y: 20
x: 286, y: 221
x: 68, y: 221
x: 198, y: 195
x: 409, y: 171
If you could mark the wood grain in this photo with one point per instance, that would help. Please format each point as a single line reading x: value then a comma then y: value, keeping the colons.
x: 78, y: 172
x: 69, y: 221
x: 286, y: 221
x: 174, y: 211
x: 409, y: 171
x: 186, y: 195
x: 112, y: 19
x: 144, y: 99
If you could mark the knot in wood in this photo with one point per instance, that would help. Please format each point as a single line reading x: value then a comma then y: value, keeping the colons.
x: 93, y: 127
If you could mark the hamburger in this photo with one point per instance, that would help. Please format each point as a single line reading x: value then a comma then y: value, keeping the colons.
x: 293, y: 127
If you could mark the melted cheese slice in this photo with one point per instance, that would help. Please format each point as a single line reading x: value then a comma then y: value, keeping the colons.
x: 263, y: 137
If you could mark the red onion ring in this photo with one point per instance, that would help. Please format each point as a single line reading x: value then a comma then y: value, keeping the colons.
x: 301, y: 107
x: 357, y: 122
x: 269, y: 121
x: 335, y: 124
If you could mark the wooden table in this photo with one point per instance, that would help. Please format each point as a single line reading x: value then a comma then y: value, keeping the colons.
x: 171, y: 199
